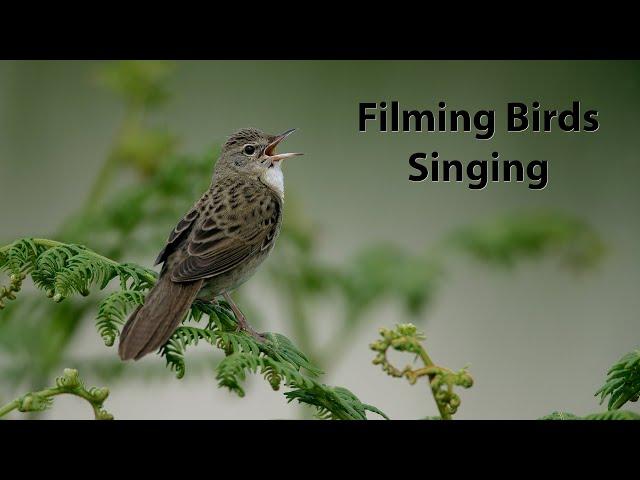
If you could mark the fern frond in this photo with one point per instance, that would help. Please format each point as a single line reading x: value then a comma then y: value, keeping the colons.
x: 21, y: 256
x: 231, y: 372
x: 560, y: 416
x: 62, y: 269
x: 623, y: 382
x: 75, y: 273
x: 608, y: 415
x: 65, y: 269
x: 282, y: 349
x: 277, y: 359
x: 112, y: 311
x: 175, y: 348
x: 614, y: 415
x: 333, y: 403
x: 139, y: 278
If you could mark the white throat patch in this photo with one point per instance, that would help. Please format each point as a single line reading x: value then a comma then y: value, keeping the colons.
x: 274, y: 178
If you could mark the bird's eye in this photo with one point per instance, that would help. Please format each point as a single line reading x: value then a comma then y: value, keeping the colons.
x: 249, y: 150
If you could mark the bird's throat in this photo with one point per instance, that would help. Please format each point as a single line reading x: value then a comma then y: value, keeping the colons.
x: 274, y: 179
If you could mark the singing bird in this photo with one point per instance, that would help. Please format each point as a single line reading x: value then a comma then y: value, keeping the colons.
x: 218, y: 244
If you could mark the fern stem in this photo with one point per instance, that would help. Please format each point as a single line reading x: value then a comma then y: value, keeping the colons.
x: 424, y: 356
x: 9, y: 407
x: 70, y: 384
x: 48, y: 393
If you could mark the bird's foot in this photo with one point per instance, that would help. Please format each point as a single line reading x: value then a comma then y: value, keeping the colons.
x: 260, y: 337
x: 243, y: 325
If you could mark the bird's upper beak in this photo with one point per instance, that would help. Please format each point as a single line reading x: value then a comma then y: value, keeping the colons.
x: 270, y: 150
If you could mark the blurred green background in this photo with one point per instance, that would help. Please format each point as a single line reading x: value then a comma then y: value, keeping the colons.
x: 538, y: 337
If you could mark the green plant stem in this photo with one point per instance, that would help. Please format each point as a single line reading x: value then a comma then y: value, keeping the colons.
x: 9, y: 407
x: 77, y: 390
x: 429, y: 363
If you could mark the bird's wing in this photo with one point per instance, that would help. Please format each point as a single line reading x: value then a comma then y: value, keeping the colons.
x: 180, y: 232
x: 238, y: 220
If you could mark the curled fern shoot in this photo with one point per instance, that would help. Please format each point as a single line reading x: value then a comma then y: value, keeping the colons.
x: 9, y: 292
x: 407, y: 338
x: 623, y: 382
x: 69, y: 383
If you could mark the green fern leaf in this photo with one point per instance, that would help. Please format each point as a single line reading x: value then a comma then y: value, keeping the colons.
x: 614, y: 415
x: 623, y: 382
x: 65, y: 269
x: 175, y: 348
x: 112, y: 310
x: 560, y: 416
x: 335, y: 403
x: 21, y: 256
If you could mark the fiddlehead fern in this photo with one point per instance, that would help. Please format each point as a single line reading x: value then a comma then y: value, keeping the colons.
x: 68, y: 383
x: 407, y: 338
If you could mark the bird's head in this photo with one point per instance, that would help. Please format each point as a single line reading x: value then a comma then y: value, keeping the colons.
x: 252, y: 152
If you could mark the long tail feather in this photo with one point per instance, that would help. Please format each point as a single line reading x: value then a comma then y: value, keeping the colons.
x: 151, y: 325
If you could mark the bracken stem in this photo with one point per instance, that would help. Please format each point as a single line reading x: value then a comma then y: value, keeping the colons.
x: 70, y: 384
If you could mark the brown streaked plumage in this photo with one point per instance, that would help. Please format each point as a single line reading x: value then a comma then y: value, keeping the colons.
x: 218, y: 244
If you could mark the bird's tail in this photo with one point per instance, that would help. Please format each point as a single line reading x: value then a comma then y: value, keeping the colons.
x: 151, y: 325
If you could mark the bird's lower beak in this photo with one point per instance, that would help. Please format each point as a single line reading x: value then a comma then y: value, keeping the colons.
x: 270, y: 150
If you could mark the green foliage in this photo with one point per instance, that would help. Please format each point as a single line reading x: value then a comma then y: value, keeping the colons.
x: 388, y: 271
x: 560, y: 416
x: 622, y: 386
x: 609, y: 415
x: 277, y: 359
x: 407, y: 338
x: 529, y: 234
x: 68, y: 383
x: 142, y: 214
x: 119, y: 219
x: 140, y: 83
x: 64, y: 269
x: 613, y: 415
x: 623, y: 382
x: 333, y: 403
x: 125, y: 219
x: 10, y: 291
x: 112, y: 313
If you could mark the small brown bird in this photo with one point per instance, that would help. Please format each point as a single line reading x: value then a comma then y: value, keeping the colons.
x: 218, y: 244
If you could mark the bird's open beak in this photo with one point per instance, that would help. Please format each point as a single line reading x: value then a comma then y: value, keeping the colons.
x: 270, y: 150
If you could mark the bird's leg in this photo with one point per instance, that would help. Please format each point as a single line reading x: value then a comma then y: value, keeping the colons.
x: 212, y: 301
x: 242, y: 321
